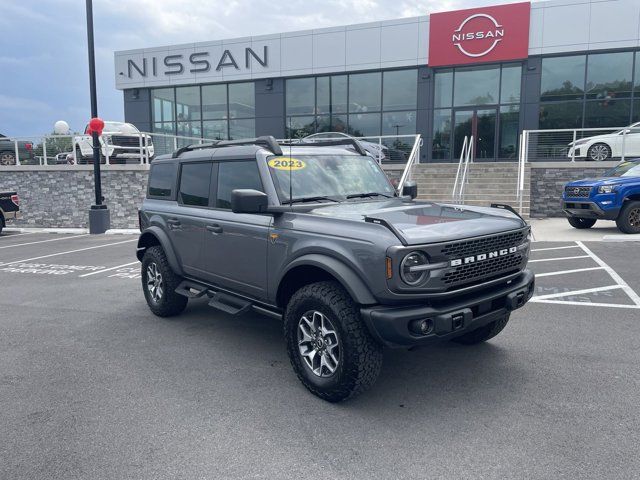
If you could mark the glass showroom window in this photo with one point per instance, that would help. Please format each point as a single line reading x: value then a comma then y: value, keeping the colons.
x: 362, y: 104
x: 214, y: 112
x: 482, y: 101
x: 589, y: 91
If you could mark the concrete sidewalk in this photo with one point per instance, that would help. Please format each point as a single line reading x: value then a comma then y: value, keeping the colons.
x: 559, y: 230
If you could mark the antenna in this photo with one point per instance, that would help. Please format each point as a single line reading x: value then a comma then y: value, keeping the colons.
x: 290, y: 176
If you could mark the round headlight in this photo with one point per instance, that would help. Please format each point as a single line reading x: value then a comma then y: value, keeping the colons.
x: 410, y: 270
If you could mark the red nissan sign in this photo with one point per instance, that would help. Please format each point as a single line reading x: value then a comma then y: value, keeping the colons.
x: 490, y: 34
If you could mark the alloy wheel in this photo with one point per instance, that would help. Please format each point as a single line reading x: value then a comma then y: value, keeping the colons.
x: 599, y: 153
x: 318, y: 343
x: 7, y: 158
x: 155, y: 284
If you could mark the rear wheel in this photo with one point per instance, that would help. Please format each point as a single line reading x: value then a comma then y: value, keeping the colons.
x: 628, y: 220
x: 581, y: 223
x: 159, y: 284
x: 7, y: 158
x: 599, y: 152
x: 483, y: 334
x: 1, y: 224
x: 330, y: 349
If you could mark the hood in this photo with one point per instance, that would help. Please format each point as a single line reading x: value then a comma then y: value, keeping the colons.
x: 585, y: 140
x: 596, y: 182
x: 423, y: 222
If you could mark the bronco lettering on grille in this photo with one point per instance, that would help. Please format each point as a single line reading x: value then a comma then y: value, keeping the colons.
x: 483, y: 256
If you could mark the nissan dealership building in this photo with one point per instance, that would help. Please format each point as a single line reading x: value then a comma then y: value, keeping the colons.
x: 490, y: 72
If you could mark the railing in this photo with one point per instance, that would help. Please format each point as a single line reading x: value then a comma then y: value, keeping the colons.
x: 522, y: 163
x: 414, y: 157
x: 466, y: 157
x: 65, y: 150
x: 590, y: 144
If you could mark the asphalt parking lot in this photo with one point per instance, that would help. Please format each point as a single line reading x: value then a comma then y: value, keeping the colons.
x: 92, y: 385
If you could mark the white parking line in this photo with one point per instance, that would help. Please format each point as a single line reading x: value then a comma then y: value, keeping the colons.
x: 577, y: 292
x: 588, y: 304
x: 565, y: 272
x: 618, y: 279
x: 70, y: 251
x: 558, y: 259
x: 16, y: 234
x: 108, y: 269
x: 43, y: 241
x: 555, y: 298
x: 553, y: 248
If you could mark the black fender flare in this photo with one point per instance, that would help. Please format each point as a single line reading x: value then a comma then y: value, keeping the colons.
x: 349, y: 279
x: 165, y: 243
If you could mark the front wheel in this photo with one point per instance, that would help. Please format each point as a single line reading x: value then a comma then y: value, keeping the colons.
x: 159, y: 284
x: 483, y: 334
x: 628, y: 220
x: 581, y: 223
x: 7, y: 158
x: 330, y: 349
x: 599, y: 152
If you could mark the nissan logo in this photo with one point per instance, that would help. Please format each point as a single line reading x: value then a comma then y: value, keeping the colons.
x: 472, y: 29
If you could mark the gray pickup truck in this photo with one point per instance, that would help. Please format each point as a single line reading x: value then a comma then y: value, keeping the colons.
x: 316, y: 235
x: 9, y: 207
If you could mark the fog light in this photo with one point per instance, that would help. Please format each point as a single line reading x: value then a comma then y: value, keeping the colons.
x: 422, y: 327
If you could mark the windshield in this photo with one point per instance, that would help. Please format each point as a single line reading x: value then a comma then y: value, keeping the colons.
x: 334, y: 176
x: 625, y: 169
x: 117, y: 127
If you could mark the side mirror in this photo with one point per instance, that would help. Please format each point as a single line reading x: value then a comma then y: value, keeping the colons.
x: 249, y: 201
x: 410, y: 189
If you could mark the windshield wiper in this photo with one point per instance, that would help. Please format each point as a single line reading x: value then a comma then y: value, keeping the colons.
x: 308, y: 199
x: 369, y: 194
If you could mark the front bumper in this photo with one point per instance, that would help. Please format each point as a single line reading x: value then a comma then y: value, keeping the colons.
x: 12, y: 215
x: 390, y: 325
x: 584, y: 208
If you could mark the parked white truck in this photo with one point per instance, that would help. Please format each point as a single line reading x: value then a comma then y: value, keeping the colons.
x: 120, y: 142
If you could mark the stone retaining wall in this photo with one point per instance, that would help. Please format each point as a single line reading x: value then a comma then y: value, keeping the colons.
x: 548, y: 180
x: 60, y: 196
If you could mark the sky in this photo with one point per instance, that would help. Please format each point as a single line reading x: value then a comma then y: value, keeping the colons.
x: 43, y: 54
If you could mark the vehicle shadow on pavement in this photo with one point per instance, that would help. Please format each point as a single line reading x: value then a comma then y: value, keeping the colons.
x: 449, y: 375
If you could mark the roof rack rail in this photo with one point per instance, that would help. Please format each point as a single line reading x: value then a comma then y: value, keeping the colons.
x: 330, y: 143
x: 266, y: 141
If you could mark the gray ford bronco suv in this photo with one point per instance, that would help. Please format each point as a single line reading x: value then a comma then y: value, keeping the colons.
x: 315, y: 234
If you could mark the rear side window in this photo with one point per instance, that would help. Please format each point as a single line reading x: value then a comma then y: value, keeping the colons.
x: 234, y: 175
x: 195, y: 181
x: 162, y: 181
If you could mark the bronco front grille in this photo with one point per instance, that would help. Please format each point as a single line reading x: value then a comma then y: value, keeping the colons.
x: 577, y: 192
x: 483, y: 245
x: 484, y: 270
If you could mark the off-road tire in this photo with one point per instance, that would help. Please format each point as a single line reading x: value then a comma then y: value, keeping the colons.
x: 599, y: 152
x: 170, y: 303
x: 360, y: 354
x: 581, y: 223
x: 483, y: 334
x: 628, y: 220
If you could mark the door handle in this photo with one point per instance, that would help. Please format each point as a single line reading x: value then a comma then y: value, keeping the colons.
x: 215, y: 228
x: 173, y: 223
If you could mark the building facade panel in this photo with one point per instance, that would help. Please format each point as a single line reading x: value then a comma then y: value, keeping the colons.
x: 582, y: 70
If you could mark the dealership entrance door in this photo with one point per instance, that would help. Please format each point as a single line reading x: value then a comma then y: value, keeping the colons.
x: 481, y: 123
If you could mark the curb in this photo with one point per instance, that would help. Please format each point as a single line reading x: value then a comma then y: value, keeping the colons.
x: 621, y: 238
x: 73, y: 231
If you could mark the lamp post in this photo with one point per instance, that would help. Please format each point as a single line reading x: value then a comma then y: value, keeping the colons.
x: 99, y: 220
